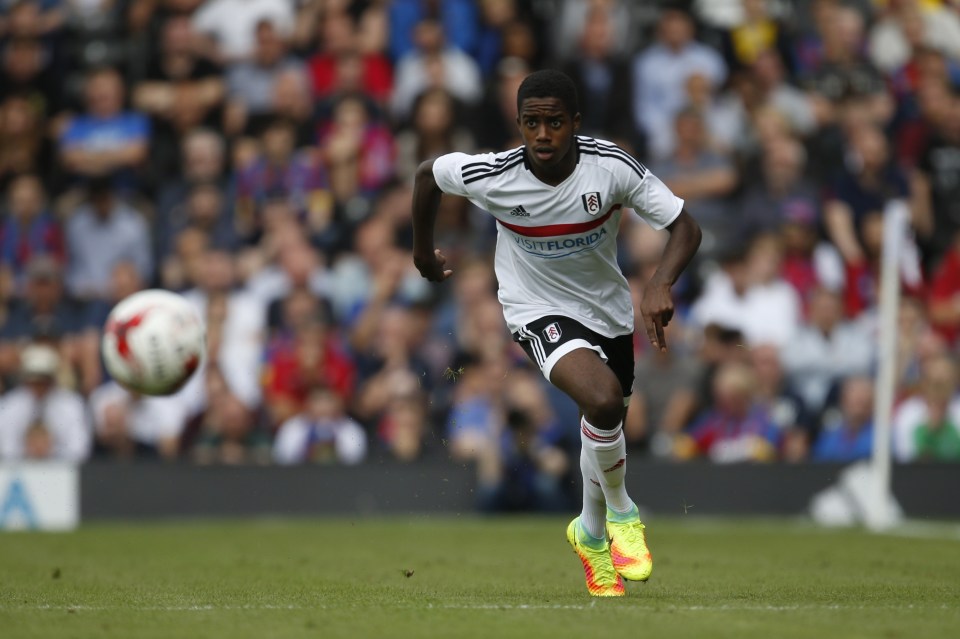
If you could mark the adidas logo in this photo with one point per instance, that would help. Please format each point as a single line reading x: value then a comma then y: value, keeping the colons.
x: 519, y: 212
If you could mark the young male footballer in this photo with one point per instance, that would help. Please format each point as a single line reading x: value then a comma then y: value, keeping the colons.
x: 557, y: 201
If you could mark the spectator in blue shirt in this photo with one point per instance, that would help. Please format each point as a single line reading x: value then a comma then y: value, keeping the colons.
x: 106, y: 141
x: 103, y: 232
x: 459, y: 19
x: 660, y: 76
x: 849, y: 436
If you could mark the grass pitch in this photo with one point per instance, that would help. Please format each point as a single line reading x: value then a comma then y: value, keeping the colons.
x: 466, y: 577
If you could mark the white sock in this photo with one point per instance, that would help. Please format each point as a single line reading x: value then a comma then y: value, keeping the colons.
x: 606, y: 450
x: 594, y: 513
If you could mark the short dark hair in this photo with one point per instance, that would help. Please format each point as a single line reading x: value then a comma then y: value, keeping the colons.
x: 549, y: 83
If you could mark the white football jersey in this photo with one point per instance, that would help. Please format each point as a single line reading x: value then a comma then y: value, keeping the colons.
x: 556, y: 245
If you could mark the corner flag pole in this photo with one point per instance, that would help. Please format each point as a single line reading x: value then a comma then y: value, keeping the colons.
x: 883, y: 513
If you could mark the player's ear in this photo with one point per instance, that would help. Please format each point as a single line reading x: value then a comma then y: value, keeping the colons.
x: 576, y: 122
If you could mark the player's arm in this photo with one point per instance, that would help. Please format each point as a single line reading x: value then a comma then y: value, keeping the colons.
x: 656, y: 307
x: 426, y: 202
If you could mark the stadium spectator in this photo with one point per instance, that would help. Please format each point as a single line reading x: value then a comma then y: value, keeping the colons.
x: 703, y: 178
x: 862, y: 189
x: 804, y: 112
x: 734, y: 427
x: 204, y: 210
x: 944, y: 299
x: 23, y: 146
x: 474, y: 427
x: 660, y: 73
x: 26, y: 69
x: 322, y: 434
x: 905, y: 25
x: 40, y: 409
x: 402, y: 432
x: 434, y: 129
x: 665, y: 395
x: 841, y: 74
x: 826, y: 350
x: 358, y: 149
x: 572, y: 15
x: 433, y: 64
x: 862, y: 279
x: 750, y: 295
x: 377, y: 267
x: 457, y: 18
x: 107, y: 141
x: 29, y: 230
x: 226, y: 432
x: 340, y: 56
x: 235, y: 322
x: 927, y: 427
x: 33, y: 18
x: 534, y: 458
x: 181, y: 90
x: 45, y: 313
x: 293, y: 102
x: 936, y: 186
x: 601, y: 70
x: 281, y: 172
x: 847, y: 434
x: 782, y: 403
x: 230, y: 26
x: 310, y: 354
x: 250, y: 83
x: 103, y: 231
x: 202, y: 159
x: 128, y: 425
x: 295, y: 267
x: 497, y: 114
x: 756, y: 34
x: 387, y: 364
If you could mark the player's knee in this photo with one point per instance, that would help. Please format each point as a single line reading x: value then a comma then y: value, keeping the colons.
x: 604, y: 408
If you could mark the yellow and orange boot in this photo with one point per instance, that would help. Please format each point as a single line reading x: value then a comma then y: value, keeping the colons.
x: 602, y: 578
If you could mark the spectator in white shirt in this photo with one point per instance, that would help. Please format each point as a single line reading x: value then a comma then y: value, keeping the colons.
x: 748, y: 294
x: 39, y: 409
x: 232, y: 24
x: 127, y: 424
x: 434, y: 64
x: 322, y: 433
x: 826, y: 351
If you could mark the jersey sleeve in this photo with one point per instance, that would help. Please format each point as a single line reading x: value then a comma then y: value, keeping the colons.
x: 450, y: 170
x: 652, y: 200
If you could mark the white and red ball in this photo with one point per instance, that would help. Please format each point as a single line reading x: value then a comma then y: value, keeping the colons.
x: 153, y: 342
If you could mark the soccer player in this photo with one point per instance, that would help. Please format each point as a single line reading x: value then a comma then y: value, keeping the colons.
x: 557, y: 201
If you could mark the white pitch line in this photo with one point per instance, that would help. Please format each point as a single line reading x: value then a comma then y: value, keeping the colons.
x: 646, y: 608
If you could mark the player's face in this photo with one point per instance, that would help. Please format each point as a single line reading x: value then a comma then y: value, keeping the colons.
x: 548, y: 129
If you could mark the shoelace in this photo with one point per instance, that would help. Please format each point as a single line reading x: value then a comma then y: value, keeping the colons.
x: 634, y: 533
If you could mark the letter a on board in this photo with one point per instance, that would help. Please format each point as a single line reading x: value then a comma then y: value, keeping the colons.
x: 16, y: 502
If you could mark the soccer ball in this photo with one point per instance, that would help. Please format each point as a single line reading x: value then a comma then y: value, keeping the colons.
x: 153, y: 342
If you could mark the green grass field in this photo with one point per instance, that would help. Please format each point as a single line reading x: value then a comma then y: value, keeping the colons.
x: 465, y: 577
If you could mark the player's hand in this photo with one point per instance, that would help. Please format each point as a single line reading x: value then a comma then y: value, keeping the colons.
x: 656, y: 307
x: 431, y: 266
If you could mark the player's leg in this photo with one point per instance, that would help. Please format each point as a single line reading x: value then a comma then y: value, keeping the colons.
x: 605, y: 448
x: 586, y: 378
x: 543, y: 340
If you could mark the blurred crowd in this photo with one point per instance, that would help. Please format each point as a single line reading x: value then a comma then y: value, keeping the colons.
x: 257, y: 156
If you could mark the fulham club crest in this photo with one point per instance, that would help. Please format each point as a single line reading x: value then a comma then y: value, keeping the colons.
x: 591, y: 202
x: 552, y: 333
